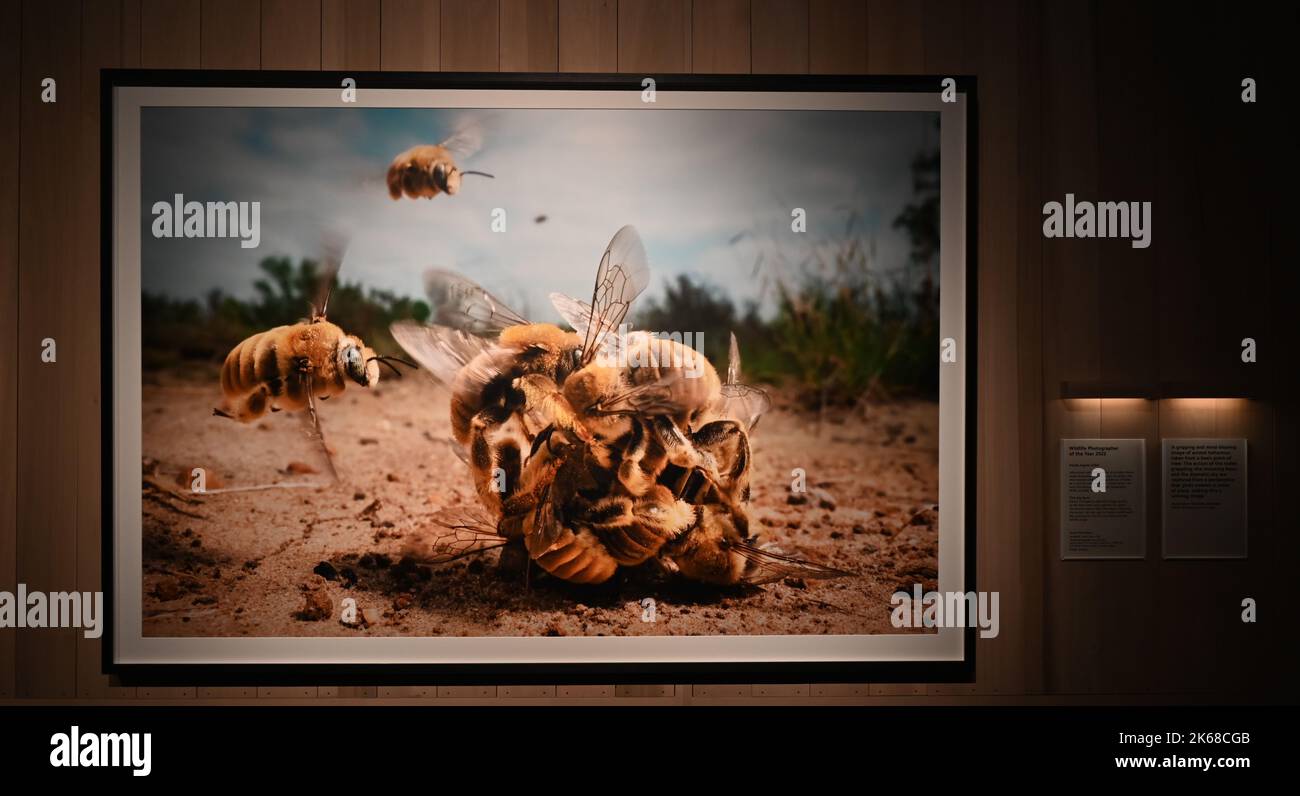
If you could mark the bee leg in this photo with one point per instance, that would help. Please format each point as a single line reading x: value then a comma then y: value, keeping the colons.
x: 248, y: 408
x: 681, y: 451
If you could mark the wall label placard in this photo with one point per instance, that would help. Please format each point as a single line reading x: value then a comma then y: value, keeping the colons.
x: 1103, y: 498
x: 1204, y: 507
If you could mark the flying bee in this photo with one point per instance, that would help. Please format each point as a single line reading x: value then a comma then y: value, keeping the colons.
x: 427, y: 170
x: 288, y: 367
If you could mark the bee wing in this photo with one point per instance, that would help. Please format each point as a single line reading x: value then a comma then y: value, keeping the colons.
x: 733, y: 362
x: 622, y: 275
x: 764, y: 566
x: 465, y: 140
x: 456, y: 533
x: 461, y: 304
x: 441, y: 350
x: 576, y: 313
x: 333, y: 248
x: 651, y: 398
x: 744, y: 404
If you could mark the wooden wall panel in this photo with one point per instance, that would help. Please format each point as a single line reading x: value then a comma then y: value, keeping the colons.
x: 131, y: 34
x: 994, y: 41
x: 46, y: 484
x: 350, y: 34
x: 720, y: 37
x: 1029, y: 310
x: 471, y: 32
x: 291, y: 34
x: 10, y: 103
x: 230, y: 34
x: 837, y: 37
x: 409, y: 37
x: 529, y: 36
x: 896, y: 37
x: 169, y: 34
x: 101, y: 47
x: 654, y: 36
x: 779, y: 37
x: 588, y: 35
x: 1056, y: 117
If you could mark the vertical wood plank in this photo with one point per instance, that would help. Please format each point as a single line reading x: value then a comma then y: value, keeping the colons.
x: 100, y: 48
x: 471, y: 32
x: 995, y: 40
x: 896, y: 37
x: 291, y: 34
x: 720, y: 37
x: 410, y: 39
x: 10, y: 123
x: 230, y: 33
x: 529, y: 36
x: 1029, y: 309
x: 588, y: 34
x: 46, y: 484
x: 350, y: 34
x: 1070, y: 332
x: 837, y: 37
x: 779, y: 37
x: 131, y: 34
x: 170, y: 34
x: 1126, y: 85
x: 654, y: 36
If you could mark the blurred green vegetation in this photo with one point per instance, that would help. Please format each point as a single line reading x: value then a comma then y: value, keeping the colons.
x: 844, y: 330
x: 183, y: 334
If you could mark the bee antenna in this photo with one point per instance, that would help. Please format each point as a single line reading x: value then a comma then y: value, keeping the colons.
x: 479, y: 173
x: 385, y: 360
x: 328, y: 292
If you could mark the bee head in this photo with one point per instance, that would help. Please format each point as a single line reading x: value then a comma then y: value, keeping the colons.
x: 446, y: 177
x: 357, y: 361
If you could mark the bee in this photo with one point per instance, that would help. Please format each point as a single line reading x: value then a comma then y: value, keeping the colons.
x: 288, y: 367
x: 505, y: 391
x: 427, y: 170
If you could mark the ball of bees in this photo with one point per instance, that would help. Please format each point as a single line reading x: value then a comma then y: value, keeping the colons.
x: 597, y: 449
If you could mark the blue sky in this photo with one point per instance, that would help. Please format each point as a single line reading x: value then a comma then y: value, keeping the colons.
x: 690, y: 181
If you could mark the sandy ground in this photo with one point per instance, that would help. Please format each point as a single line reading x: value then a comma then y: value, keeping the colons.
x: 280, y: 562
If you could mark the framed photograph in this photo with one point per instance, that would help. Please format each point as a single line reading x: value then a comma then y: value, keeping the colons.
x: 515, y: 378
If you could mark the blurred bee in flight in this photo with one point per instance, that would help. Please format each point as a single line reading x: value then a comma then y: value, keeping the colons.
x: 426, y: 170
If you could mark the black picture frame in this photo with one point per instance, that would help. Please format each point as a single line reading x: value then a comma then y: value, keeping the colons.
x: 285, y: 674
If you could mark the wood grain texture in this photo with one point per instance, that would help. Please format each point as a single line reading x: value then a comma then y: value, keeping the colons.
x: 1029, y: 350
x: 170, y: 34
x: 779, y: 37
x: 720, y: 37
x: 350, y: 34
x: 101, y: 47
x: 837, y: 37
x: 993, y: 45
x: 410, y: 38
x: 529, y: 37
x: 471, y: 32
x: 291, y: 34
x: 46, y: 483
x: 588, y: 35
x: 230, y: 34
x: 131, y: 34
x: 10, y: 124
x: 896, y: 37
x: 654, y: 36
